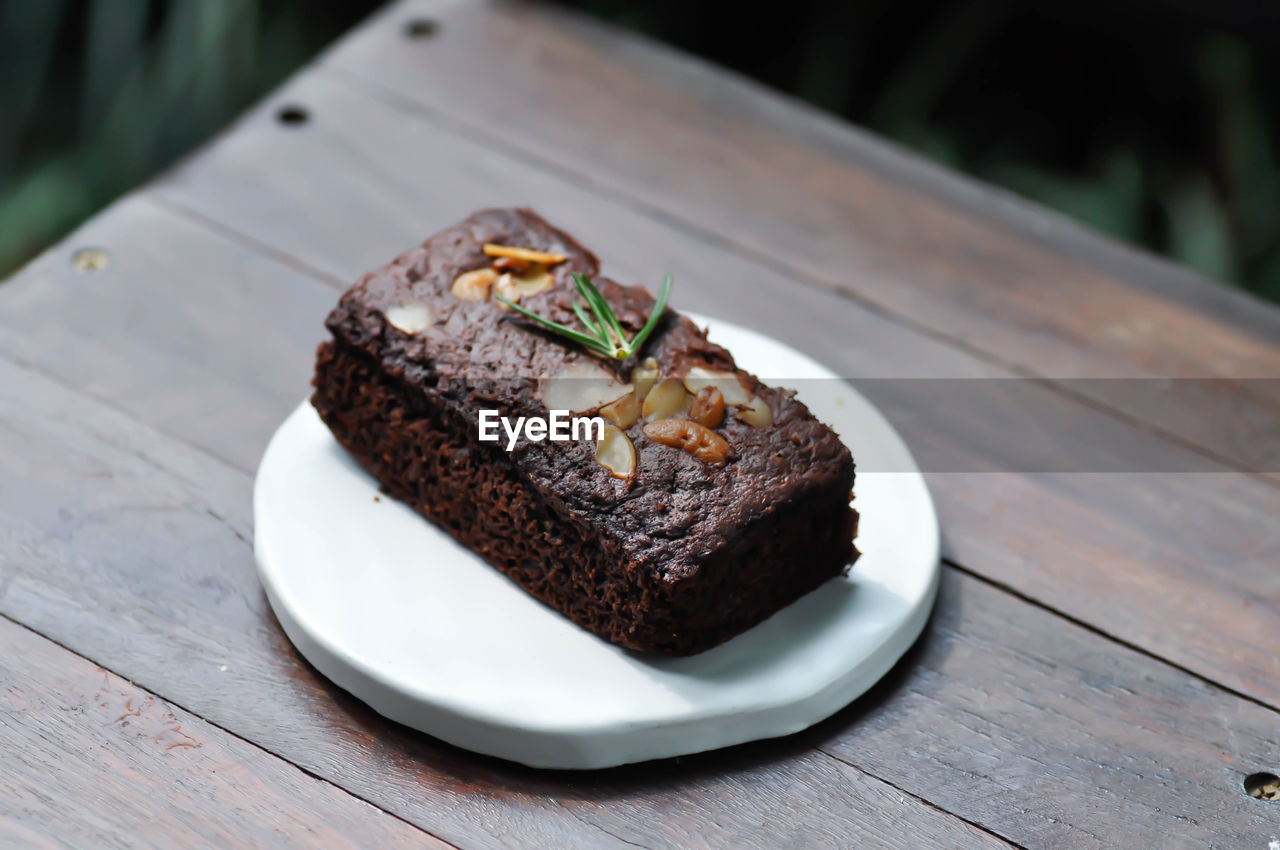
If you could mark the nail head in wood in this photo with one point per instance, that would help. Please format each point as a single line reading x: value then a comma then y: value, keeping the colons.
x: 90, y: 260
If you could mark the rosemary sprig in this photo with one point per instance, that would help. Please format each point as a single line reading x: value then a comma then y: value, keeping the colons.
x: 604, y: 333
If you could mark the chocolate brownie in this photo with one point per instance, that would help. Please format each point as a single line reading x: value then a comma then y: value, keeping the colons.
x: 711, y: 502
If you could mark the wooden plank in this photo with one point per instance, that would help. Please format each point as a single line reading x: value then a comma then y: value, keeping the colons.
x: 93, y: 761
x: 819, y: 201
x: 134, y: 551
x: 127, y: 547
x: 1044, y: 721
x: 1094, y: 545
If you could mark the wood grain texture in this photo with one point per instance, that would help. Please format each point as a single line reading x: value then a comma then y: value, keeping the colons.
x: 93, y: 761
x: 1152, y: 558
x: 815, y: 199
x: 132, y: 549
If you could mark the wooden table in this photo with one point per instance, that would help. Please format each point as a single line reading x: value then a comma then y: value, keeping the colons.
x: 1102, y: 666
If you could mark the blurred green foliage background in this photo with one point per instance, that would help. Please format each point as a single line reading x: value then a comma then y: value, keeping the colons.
x: 1157, y: 121
x: 98, y: 95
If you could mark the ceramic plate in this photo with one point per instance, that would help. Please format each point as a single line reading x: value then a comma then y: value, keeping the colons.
x: 394, y: 611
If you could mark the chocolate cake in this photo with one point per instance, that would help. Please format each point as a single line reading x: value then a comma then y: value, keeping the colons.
x: 710, y: 502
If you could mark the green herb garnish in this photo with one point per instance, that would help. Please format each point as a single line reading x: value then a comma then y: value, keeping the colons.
x: 604, y: 334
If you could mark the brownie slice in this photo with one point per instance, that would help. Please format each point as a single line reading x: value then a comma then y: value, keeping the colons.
x: 675, y: 554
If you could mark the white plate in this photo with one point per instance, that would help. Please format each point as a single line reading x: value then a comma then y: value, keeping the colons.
x: 394, y: 611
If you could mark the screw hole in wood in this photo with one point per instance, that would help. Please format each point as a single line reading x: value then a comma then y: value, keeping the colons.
x: 292, y: 116
x: 421, y: 28
x: 1264, y: 786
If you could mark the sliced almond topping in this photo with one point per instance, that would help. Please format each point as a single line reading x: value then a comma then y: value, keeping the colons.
x: 757, y: 413
x: 473, y: 285
x: 411, y: 317
x: 513, y: 287
x: 615, y: 452
x: 728, y: 383
x: 581, y: 388
x: 527, y: 254
x: 644, y: 376
x: 533, y: 281
x: 668, y: 398
x: 624, y: 412
x: 505, y: 286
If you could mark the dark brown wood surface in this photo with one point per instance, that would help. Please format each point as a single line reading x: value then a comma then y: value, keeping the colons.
x: 91, y: 760
x: 1099, y: 670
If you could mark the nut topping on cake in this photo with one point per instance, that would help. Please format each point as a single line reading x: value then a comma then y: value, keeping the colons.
x: 624, y: 412
x: 515, y: 285
x: 474, y: 285
x: 529, y: 255
x: 411, y: 317
x: 582, y: 388
x: 668, y: 398
x: 727, y: 382
x: 505, y: 286
x: 707, y: 408
x: 532, y: 281
x: 757, y: 413
x: 698, y: 440
x: 511, y: 264
x: 644, y: 376
x: 615, y: 452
